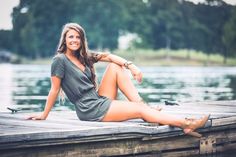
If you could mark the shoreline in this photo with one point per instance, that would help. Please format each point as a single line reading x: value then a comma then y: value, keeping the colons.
x: 149, y: 62
x: 162, y: 57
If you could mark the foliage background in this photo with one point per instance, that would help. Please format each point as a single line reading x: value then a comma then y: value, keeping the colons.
x: 209, y: 27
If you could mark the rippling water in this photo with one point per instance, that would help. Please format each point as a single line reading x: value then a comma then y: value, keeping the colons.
x: 26, y: 86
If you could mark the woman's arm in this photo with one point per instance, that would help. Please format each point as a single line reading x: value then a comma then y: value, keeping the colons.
x: 137, y: 74
x: 107, y: 57
x: 52, y: 96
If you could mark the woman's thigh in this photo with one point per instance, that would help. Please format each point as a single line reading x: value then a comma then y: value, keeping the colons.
x: 123, y: 110
x: 108, y: 86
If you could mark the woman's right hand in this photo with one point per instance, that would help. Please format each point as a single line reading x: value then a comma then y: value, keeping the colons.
x: 36, y: 117
x: 55, y: 88
x: 136, y: 72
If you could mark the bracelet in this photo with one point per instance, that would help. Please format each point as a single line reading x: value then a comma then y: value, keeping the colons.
x: 127, y: 63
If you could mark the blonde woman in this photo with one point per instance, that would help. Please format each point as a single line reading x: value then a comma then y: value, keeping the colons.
x: 72, y: 70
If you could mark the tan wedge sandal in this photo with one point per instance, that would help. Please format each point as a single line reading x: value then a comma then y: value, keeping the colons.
x: 192, y: 124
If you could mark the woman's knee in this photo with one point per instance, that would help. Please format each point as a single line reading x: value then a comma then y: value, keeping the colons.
x: 117, y: 112
x: 140, y: 109
x: 114, y: 66
x: 145, y: 111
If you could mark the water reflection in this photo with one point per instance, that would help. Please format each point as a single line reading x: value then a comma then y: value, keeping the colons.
x: 5, y: 85
x: 27, y: 86
x: 188, y: 84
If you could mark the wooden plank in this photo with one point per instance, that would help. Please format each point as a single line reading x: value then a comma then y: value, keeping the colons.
x: 181, y: 145
x: 117, y: 147
x: 65, y: 134
x: 224, y: 121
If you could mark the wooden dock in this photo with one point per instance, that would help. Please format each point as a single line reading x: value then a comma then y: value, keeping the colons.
x: 62, y: 134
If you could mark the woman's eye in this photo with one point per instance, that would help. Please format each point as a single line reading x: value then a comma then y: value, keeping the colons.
x: 71, y: 36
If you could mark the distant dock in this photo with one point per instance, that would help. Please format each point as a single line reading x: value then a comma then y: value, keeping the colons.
x: 62, y: 134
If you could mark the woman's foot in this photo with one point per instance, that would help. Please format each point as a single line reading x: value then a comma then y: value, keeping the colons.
x: 190, y: 125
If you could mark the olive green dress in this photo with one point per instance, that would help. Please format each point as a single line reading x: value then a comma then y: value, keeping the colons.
x: 79, y: 89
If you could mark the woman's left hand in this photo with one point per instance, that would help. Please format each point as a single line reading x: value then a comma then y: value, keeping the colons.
x: 136, y: 72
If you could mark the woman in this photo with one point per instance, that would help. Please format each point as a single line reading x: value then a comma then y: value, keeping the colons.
x: 72, y: 70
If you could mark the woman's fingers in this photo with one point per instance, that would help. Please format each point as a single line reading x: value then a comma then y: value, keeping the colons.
x: 138, y: 77
x: 137, y: 74
x: 29, y: 118
x: 34, y: 117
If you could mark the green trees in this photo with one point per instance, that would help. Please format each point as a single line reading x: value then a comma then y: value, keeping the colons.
x: 6, y: 40
x: 229, y: 35
x: 101, y: 20
x: 174, y: 24
x: 37, y: 24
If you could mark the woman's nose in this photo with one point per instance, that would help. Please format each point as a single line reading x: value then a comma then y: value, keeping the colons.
x: 74, y: 39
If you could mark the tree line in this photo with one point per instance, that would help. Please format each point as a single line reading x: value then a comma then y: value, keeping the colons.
x: 176, y: 24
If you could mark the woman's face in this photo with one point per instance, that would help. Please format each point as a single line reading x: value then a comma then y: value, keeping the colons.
x: 72, y: 40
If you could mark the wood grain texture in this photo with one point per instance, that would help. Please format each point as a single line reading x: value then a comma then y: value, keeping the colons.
x: 63, y: 134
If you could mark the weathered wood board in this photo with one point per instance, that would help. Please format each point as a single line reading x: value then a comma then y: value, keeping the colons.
x: 62, y: 134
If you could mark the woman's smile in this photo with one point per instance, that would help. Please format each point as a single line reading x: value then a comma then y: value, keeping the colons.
x: 74, y: 44
x: 72, y: 40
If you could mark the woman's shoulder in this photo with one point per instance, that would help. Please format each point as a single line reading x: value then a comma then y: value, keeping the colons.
x: 59, y: 56
x: 58, y: 59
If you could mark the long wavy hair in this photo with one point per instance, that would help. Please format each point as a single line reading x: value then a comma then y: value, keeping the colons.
x: 82, y: 54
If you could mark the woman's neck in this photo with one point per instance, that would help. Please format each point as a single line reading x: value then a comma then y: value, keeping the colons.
x: 70, y: 54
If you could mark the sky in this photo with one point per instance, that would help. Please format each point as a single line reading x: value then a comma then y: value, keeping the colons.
x: 6, y: 8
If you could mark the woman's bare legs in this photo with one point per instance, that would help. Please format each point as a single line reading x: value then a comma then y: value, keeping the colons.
x: 124, y: 110
x: 116, y: 77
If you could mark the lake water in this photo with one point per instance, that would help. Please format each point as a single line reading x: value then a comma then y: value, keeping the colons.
x: 26, y: 86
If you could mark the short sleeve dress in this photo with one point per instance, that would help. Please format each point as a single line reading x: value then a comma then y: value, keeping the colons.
x: 79, y: 89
